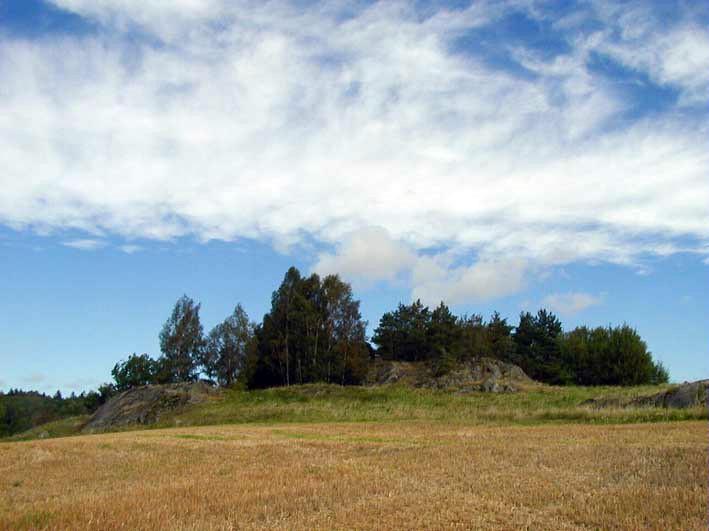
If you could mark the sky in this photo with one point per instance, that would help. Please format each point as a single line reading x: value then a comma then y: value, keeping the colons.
x: 497, y: 155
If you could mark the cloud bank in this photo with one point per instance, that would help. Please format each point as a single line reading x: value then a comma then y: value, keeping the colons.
x: 227, y: 120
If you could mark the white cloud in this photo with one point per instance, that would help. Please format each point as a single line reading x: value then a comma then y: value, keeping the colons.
x: 85, y: 244
x: 130, y: 248
x: 257, y: 120
x: 571, y: 303
x: 434, y: 280
x: 674, y: 53
x: 369, y: 254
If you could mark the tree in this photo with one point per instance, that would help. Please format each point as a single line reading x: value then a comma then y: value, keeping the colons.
x: 609, y: 356
x: 181, y: 341
x: 346, y: 349
x: 444, y: 333
x: 404, y: 334
x: 313, y: 333
x: 537, y: 350
x: 500, y: 338
x: 227, y: 346
x: 134, y: 372
x: 474, y: 337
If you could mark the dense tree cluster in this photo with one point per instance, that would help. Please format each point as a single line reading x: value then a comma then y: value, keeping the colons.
x: 609, y: 356
x: 21, y: 410
x: 313, y: 333
x: 538, y: 344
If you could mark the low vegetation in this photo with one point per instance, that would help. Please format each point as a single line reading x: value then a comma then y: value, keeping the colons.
x: 323, y: 403
x: 319, y: 403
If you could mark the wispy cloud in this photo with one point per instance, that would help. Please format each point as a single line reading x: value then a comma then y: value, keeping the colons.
x: 572, y: 302
x: 130, y: 249
x: 313, y: 124
x: 85, y: 244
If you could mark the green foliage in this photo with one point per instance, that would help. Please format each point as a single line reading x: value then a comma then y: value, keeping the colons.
x: 414, y: 333
x: 537, y: 350
x: 609, y: 356
x: 181, y: 342
x: 22, y: 410
x: 499, y: 335
x: 602, y: 356
x: 134, y: 372
x: 443, y: 363
x: 227, y: 347
x: 313, y: 333
x: 404, y: 334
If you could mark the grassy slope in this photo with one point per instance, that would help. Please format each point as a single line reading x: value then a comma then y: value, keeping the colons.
x: 319, y: 403
x: 330, y: 403
x: 58, y: 428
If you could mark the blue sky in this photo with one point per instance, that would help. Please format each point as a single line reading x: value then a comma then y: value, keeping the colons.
x: 498, y: 155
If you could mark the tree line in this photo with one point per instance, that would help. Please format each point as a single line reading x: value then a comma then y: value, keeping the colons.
x: 21, y: 410
x: 612, y: 355
x: 314, y: 332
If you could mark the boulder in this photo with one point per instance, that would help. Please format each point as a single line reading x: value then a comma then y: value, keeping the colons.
x: 146, y: 404
x: 477, y: 374
x: 688, y: 394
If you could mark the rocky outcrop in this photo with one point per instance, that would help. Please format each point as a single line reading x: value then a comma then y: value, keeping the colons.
x: 688, y: 394
x: 146, y: 405
x: 480, y: 374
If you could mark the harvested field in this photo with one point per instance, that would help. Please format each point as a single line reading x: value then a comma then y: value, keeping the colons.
x: 362, y: 475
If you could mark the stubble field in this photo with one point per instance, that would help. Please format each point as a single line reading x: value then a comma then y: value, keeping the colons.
x: 424, y: 475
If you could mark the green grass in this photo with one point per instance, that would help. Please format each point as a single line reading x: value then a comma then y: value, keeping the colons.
x: 58, y: 428
x: 331, y: 403
x: 320, y: 403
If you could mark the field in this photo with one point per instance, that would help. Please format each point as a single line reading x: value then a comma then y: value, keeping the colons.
x: 323, y: 457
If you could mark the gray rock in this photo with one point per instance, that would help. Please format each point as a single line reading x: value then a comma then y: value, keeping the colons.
x: 683, y: 396
x: 490, y: 386
x: 687, y: 395
x: 463, y: 376
x: 146, y: 404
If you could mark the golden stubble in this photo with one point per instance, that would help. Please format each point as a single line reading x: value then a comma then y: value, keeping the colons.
x: 407, y: 475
